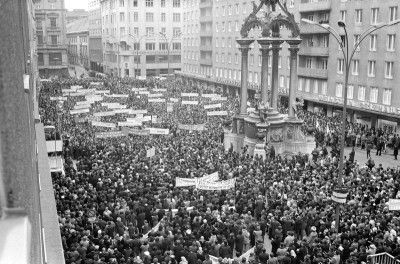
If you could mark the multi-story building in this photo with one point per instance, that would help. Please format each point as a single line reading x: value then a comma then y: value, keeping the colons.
x: 51, y: 37
x: 95, y: 42
x: 372, y: 96
x: 78, y: 40
x: 75, y: 14
x: 138, y: 36
x: 216, y: 61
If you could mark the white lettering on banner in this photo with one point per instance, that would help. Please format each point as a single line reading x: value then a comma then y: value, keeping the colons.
x: 151, y: 152
x: 110, y: 134
x: 190, y: 102
x: 109, y: 113
x: 87, y: 90
x: 159, y: 131
x: 103, y: 124
x: 144, y: 92
x: 138, y: 119
x: 94, y: 97
x: 217, y: 113
x: 159, y: 90
x: 394, y: 204
x: 118, y: 95
x: 155, y: 95
x: 82, y: 106
x: 159, y: 100
x: 216, y: 186
x: 117, y: 106
x: 96, y: 83
x: 219, y: 98
x: 175, y: 100
x: 170, y: 107
x: 130, y: 124
x: 102, y: 91
x: 76, y: 87
x: 212, y: 106
x: 109, y: 104
x: 77, y: 94
x: 59, y: 98
x: 80, y: 111
x: 189, y: 94
x: 84, y: 102
x: 135, y: 112
x: 121, y: 111
x: 184, y: 182
x: 210, y: 95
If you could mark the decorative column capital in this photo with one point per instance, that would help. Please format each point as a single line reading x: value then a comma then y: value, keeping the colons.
x: 244, y: 45
x: 294, y: 42
x: 293, y: 51
x: 276, y: 45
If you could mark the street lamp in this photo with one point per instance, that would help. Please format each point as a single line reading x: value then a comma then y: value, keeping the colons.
x: 137, y: 50
x: 164, y: 36
x: 347, y: 60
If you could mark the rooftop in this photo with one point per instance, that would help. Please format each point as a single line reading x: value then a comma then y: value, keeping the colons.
x: 80, y: 25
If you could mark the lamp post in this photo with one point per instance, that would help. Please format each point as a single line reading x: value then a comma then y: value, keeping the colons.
x: 137, y: 50
x: 344, y: 45
x: 164, y: 36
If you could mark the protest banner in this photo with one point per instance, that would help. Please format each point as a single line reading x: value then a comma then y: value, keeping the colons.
x: 108, y: 104
x: 190, y: 102
x: 79, y: 111
x: 170, y: 107
x: 59, y: 98
x: 394, y: 204
x: 130, y: 124
x: 110, y: 134
x: 84, y: 102
x: 94, y: 97
x: 121, y: 111
x: 138, y: 132
x: 102, y: 91
x: 219, y: 99
x: 139, y: 89
x: 103, y: 124
x: 68, y: 90
x: 175, y: 100
x: 189, y: 94
x: 77, y: 94
x: 159, y: 131
x: 217, y: 113
x: 117, y: 95
x: 82, y: 106
x: 138, y: 119
x: 159, y: 90
x: 135, y: 112
x: 109, y: 113
x: 76, y: 87
x: 144, y: 92
x: 117, y: 106
x: 158, y: 100
x: 87, y: 91
x: 155, y: 95
x: 185, y: 182
x: 96, y: 83
x: 198, y: 127
x: 215, y: 186
x: 210, y: 95
x: 212, y: 106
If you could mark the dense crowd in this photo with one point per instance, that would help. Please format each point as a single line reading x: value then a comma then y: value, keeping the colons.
x: 142, y: 217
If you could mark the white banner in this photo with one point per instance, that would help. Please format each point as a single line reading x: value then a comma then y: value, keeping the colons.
x: 117, y: 106
x: 184, y: 182
x: 170, y: 107
x: 159, y: 100
x: 96, y: 83
x: 80, y: 111
x: 121, y: 111
x: 213, y: 177
x: 102, y: 91
x: 394, y: 204
x: 108, y: 104
x: 68, y: 90
x: 217, y: 113
x: 219, y: 99
x: 190, y: 102
x: 159, y: 131
x: 216, y: 186
x: 84, y: 102
x: 82, y: 106
x: 212, y: 106
x: 59, y: 98
x: 103, y: 124
x: 151, y: 152
x: 77, y: 94
x: 139, y: 89
x: 159, y: 90
x: 129, y: 124
x: 87, y: 90
x: 109, y: 113
x: 94, y: 97
x: 118, y: 95
x: 76, y: 87
x: 138, y: 119
x: 189, y: 94
x: 144, y: 92
x: 210, y: 95
x: 175, y: 100
x: 155, y: 95
x: 135, y: 112
x: 198, y: 127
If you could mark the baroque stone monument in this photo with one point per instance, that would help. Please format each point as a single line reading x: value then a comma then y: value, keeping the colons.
x: 281, y: 131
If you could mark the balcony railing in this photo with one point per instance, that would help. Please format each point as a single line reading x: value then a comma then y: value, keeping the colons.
x: 206, y: 33
x: 55, y: 63
x: 312, y: 72
x: 315, y: 5
x: 206, y: 61
x: 314, y: 51
x: 206, y: 18
x: 311, y: 29
x: 205, y: 3
x: 206, y: 47
x: 383, y: 258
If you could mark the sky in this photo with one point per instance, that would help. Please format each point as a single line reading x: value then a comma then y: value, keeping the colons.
x: 76, y: 4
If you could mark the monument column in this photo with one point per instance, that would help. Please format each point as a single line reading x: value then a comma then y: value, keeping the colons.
x: 294, y: 49
x: 276, y: 47
x: 264, y: 68
x: 244, y: 48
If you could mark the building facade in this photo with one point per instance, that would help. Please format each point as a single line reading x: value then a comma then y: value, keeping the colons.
x: 78, y: 40
x: 372, y: 96
x: 75, y: 14
x: 51, y: 38
x: 95, y: 41
x: 138, y: 36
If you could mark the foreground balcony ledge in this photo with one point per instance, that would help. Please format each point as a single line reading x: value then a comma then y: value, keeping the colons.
x: 315, y: 5
x: 312, y: 72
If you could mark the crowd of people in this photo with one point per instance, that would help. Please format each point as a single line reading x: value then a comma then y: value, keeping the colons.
x: 116, y: 205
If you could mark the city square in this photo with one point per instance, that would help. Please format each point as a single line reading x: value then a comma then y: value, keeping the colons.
x: 199, y: 132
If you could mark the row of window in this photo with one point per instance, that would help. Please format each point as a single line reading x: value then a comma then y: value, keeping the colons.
x: 149, y: 31
x: 148, y: 46
x: 374, y: 16
x: 227, y: 26
x: 361, y: 95
x: 389, y: 68
x: 176, y: 17
x: 135, y: 3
